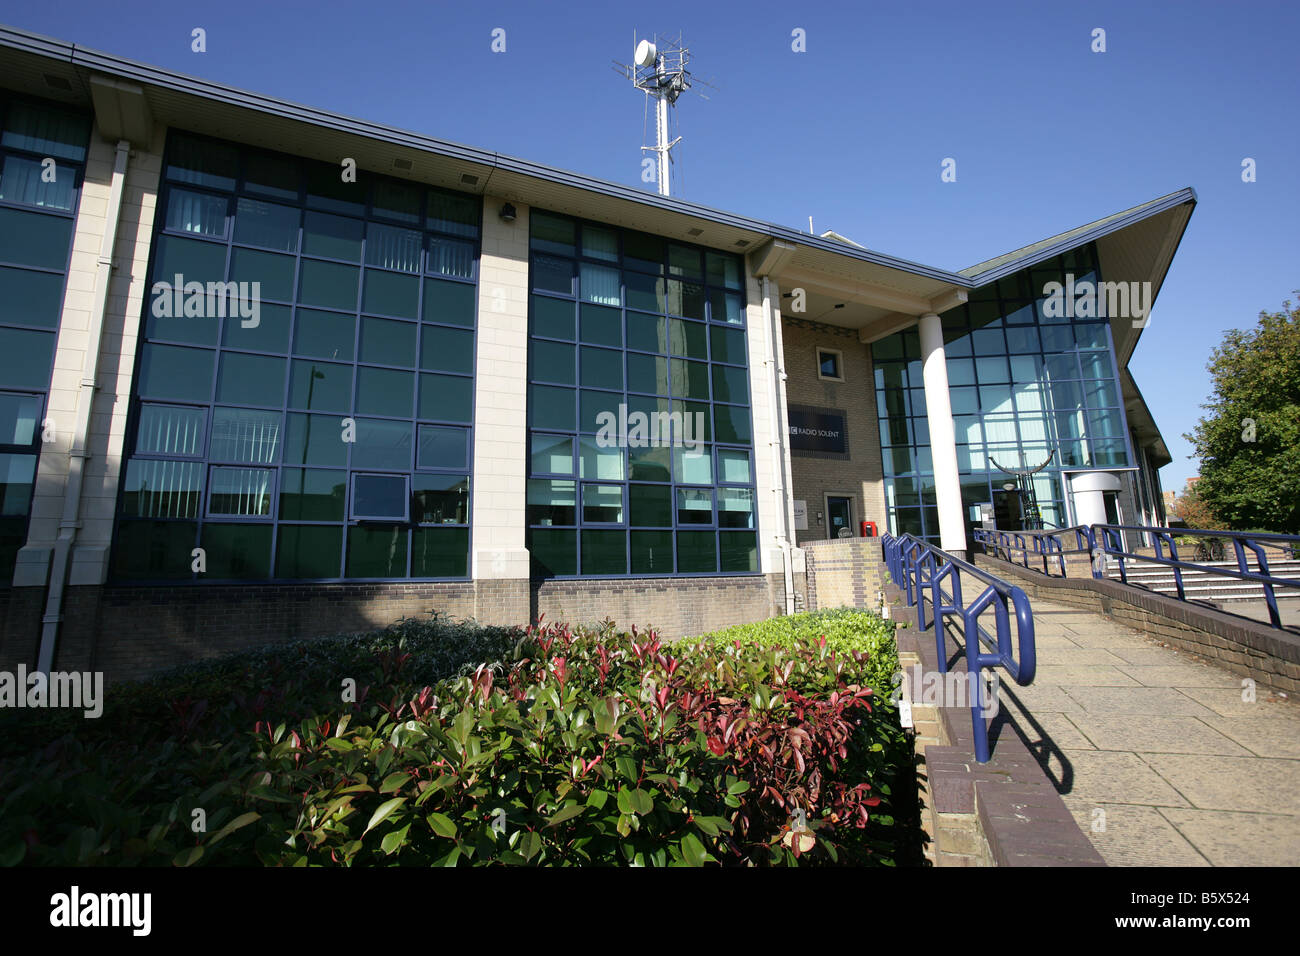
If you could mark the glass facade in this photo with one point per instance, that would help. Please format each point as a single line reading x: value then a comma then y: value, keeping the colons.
x: 42, y: 161
x: 325, y: 433
x: 1024, y: 384
x: 640, y: 436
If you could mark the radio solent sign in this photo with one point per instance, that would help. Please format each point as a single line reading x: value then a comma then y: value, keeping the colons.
x: 818, y: 432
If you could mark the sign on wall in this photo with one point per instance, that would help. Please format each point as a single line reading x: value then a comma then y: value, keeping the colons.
x: 818, y: 432
x: 800, y: 515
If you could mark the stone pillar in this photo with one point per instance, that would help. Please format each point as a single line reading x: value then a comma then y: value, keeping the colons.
x: 943, y: 442
x: 499, y: 560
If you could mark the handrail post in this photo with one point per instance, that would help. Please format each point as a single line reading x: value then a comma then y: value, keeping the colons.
x: 1269, y: 597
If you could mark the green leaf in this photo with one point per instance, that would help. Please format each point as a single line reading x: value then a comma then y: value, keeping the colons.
x: 450, y: 859
x: 393, y: 840
x: 693, y: 850
x: 566, y: 813
x: 442, y: 825
x: 641, y: 802
x: 383, y: 813
x: 740, y: 786
x: 598, y: 799
x: 712, y: 825
x: 529, y: 844
x: 262, y: 792
x: 239, y: 821
x: 394, y: 781
x: 188, y: 857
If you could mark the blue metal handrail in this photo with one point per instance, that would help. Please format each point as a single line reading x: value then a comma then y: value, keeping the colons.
x: 1048, y: 544
x: 914, y: 564
x: 1109, y: 540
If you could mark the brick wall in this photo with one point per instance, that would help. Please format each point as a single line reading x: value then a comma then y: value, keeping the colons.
x: 860, y: 475
x: 842, y: 572
x: 128, y: 632
x: 677, y: 607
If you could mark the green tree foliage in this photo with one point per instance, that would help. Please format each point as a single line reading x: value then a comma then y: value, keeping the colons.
x: 1249, y: 443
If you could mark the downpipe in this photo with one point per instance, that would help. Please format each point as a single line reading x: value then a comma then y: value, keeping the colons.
x: 778, y: 413
x: 61, y: 560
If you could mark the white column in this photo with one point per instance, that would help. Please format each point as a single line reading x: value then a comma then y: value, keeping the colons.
x: 943, y: 443
x: 501, y: 395
x: 1088, y: 489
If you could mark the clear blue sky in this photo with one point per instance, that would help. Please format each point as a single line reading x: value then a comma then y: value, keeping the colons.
x: 1047, y: 134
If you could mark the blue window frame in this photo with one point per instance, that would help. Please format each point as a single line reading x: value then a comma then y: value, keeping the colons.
x: 630, y: 330
x: 331, y: 438
x: 42, y: 163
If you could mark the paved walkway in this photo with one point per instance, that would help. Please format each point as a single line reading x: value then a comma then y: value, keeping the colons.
x: 1158, y: 756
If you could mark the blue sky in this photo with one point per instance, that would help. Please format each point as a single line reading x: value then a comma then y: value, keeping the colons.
x: 1047, y: 134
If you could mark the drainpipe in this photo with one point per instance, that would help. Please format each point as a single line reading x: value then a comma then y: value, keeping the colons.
x: 71, y: 520
x: 778, y: 412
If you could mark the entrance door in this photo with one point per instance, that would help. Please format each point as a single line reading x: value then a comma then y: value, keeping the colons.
x: 839, y: 517
x: 1007, y: 511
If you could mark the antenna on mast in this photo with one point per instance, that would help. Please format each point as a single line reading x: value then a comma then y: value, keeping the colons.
x: 659, y: 69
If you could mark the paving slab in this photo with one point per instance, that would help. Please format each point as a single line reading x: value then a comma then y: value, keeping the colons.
x: 1057, y: 730
x: 1163, y: 701
x: 1257, y: 784
x: 1147, y: 655
x: 1262, y: 736
x: 1239, y: 839
x: 1146, y: 733
x: 1075, y: 655
x: 1109, y: 776
x: 1085, y: 675
x: 1231, y: 702
x: 1187, y: 674
x: 1130, y: 835
x: 1036, y: 697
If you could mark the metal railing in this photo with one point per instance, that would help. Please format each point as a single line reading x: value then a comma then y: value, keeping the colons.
x: 1047, y: 545
x: 916, y: 566
x: 1101, y: 542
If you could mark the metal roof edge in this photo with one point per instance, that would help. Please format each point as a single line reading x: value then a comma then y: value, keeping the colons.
x: 122, y: 67
x: 1181, y: 197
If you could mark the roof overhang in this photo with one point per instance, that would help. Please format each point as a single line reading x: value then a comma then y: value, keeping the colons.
x: 1141, y: 421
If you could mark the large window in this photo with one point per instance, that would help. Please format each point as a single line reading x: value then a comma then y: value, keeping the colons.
x: 1026, y: 385
x: 326, y: 436
x: 640, y: 458
x: 42, y: 157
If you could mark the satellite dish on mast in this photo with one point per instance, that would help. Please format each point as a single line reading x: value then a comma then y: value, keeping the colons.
x: 645, y: 54
x: 660, y: 72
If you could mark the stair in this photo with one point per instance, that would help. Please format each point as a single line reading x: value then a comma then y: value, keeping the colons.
x: 1206, y: 585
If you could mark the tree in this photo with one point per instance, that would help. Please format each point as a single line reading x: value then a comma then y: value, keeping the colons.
x: 1249, y: 443
x: 1193, y: 510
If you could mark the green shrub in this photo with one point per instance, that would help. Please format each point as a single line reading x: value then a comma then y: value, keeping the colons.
x: 215, y: 697
x: 586, y: 747
x: 845, y: 629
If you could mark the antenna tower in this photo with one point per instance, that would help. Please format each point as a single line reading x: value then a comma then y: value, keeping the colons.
x: 659, y: 69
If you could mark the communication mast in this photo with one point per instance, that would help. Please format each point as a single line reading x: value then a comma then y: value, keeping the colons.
x: 659, y: 69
